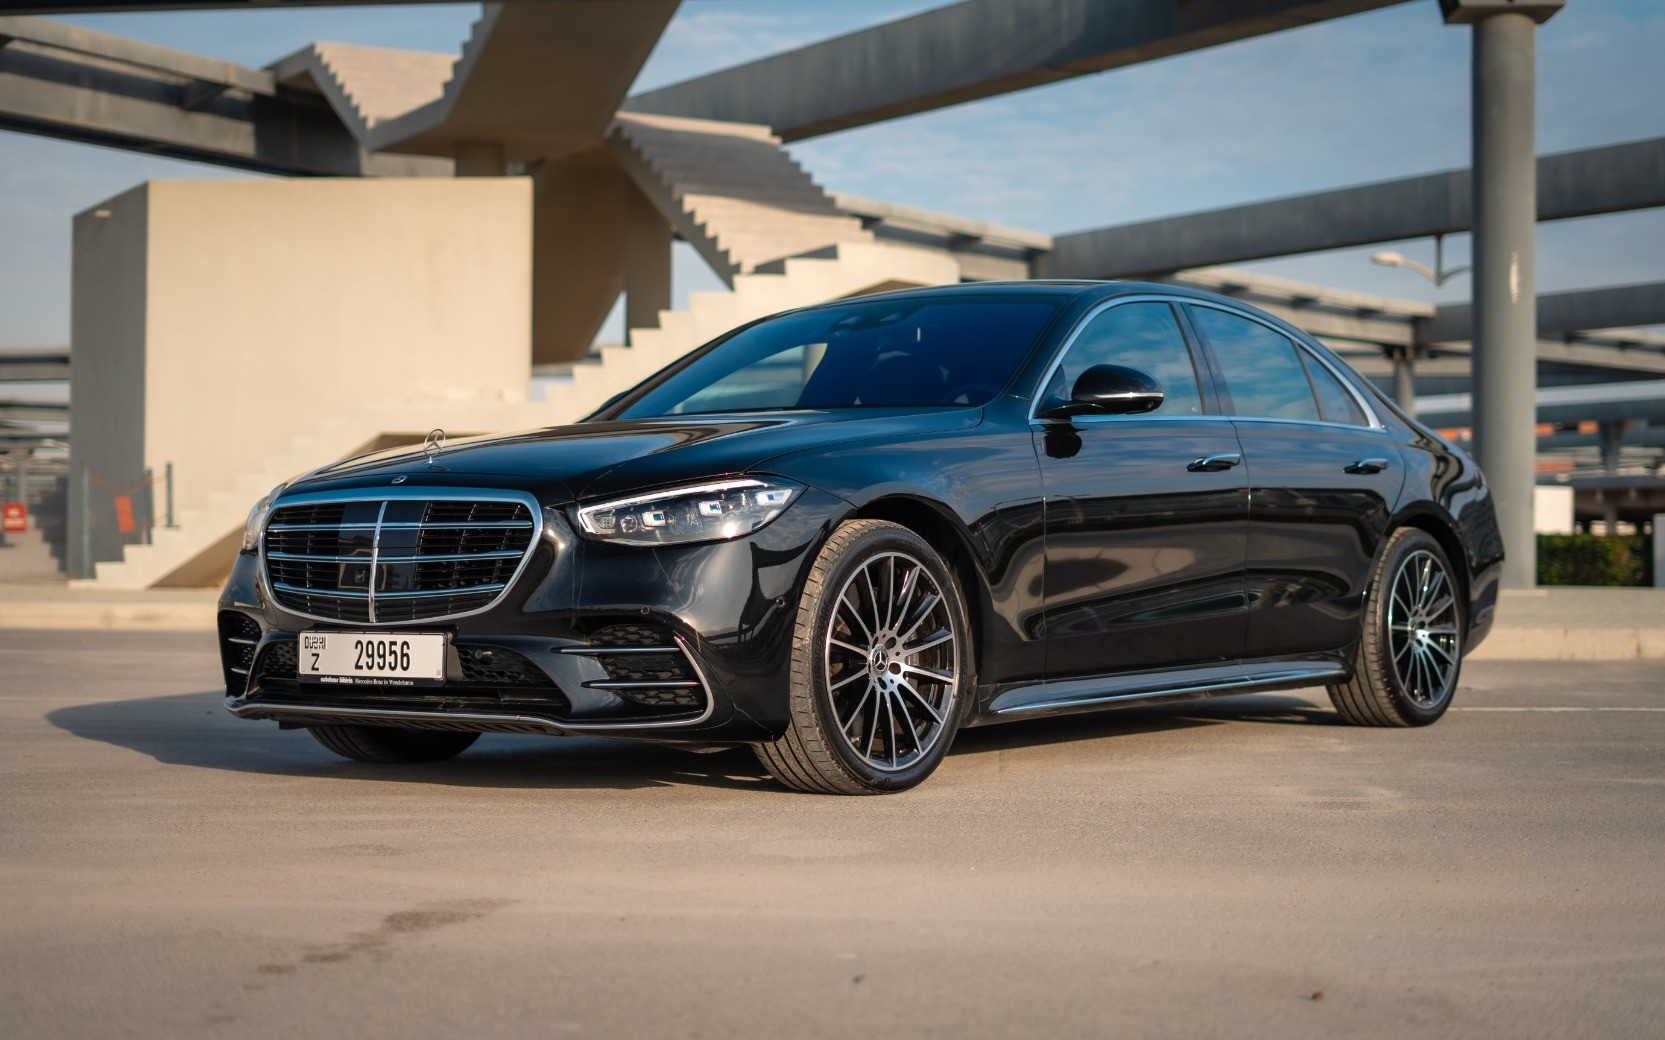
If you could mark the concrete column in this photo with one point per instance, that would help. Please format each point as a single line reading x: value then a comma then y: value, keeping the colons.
x: 17, y: 493
x: 647, y: 273
x: 1611, y: 433
x: 24, y: 457
x: 1659, y: 550
x: 1505, y: 291
x: 480, y: 159
x: 580, y: 214
x: 1404, y: 381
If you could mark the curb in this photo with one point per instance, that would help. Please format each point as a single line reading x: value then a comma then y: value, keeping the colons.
x: 1572, y: 644
x: 137, y: 617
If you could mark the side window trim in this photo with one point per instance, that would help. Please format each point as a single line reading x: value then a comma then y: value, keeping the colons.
x: 1206, y: 383
x: 1304, y: 353
x: 1219, y: 391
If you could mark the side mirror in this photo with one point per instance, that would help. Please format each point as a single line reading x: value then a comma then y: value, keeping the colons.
x: 1109, y: 390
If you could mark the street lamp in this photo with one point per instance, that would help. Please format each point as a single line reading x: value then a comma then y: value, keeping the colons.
x: 1436, y: 274
x: 1404, y: 358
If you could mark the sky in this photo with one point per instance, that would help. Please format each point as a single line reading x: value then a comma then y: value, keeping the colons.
x: 1369, y: 97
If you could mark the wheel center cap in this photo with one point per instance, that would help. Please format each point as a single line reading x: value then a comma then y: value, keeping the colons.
x: 877, y: 659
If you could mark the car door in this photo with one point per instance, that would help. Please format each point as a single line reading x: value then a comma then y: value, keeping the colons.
x: 1323, y: 479
x: 1145, y: 541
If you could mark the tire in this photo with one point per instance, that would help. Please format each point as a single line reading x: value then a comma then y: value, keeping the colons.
x: 387, y: 745
x: 1410, y: 653
x: 869, y: 715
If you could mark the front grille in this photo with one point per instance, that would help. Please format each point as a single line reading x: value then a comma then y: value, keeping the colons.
x: 386, y: 561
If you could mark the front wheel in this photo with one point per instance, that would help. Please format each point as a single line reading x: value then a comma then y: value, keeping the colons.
x: 881, y: 666
x: 388, y: 745
x: 1410, y: 645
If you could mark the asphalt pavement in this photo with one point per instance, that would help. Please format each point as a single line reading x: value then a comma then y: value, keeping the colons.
x: 1244, y: 867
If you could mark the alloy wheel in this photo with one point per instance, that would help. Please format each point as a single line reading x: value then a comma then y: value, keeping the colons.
x: 891, y: 662
x: 1422, y: 629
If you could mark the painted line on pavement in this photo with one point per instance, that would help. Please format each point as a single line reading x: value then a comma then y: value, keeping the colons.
x: 1557, y: 709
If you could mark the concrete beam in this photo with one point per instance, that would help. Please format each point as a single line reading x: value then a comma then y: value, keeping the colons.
x: 1560, y: 313
x: 135, y: 54
x: 26, y: 438
x: 1613, y: 179
x: 539, y: 80
x: 34, y: 366
x: 63, y: 7
x: 27, y: 410
x: 1635, y: 435
x: 1589, y: 402
x: 967, y: 51
x: 1583, y: 354
x: 97, y: 88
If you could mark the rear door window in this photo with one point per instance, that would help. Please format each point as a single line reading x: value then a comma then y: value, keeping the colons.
x: 1264, y: 376
x: 1335, y: 403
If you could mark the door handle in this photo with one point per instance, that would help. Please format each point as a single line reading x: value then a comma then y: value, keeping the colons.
x: 1368, y: 466
x: 1215, y: 463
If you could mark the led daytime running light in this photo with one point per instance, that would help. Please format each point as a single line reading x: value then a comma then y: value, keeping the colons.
x: 704, y: 512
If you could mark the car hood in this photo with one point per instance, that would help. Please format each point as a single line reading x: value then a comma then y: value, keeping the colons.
x: 596, y: 459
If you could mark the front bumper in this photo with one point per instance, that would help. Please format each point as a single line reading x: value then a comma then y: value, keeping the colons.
x: 686, y: 643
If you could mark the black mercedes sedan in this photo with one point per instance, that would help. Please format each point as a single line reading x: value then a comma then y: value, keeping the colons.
x: 842, y: 533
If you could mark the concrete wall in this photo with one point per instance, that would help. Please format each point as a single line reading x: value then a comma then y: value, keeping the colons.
x: 217, y: 322
x: 304, y: 298
x: 107, y: 327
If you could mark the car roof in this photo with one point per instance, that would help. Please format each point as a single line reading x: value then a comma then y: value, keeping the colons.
x: 1038, y: 287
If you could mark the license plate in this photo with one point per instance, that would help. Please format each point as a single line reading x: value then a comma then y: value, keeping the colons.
x: 372, y: 659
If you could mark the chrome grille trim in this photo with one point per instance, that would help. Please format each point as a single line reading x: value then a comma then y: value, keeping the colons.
x: 437, y: 525
x: 423, y: 558
x: 283, y: 594
x: 471, y: 590
x: 375, y: 562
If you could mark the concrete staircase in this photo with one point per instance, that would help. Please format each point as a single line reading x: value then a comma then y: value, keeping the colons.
x: 730, y: 189
x: 845, y: 269
x: 367, y: 85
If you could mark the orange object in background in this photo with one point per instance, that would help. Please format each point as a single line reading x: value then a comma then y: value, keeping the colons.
x: 16, y: 516
x: 124, y: 514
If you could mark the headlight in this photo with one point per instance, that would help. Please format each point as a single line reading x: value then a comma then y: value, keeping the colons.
x: 257, y: 520
x: 706, y: 512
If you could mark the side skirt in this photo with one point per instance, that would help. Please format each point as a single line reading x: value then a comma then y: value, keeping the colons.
x: 1066, y: 696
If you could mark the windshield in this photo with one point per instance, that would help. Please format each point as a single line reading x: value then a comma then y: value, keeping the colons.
x: 878, y: 353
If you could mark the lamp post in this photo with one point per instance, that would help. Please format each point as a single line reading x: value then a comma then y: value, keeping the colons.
x: 1404, y: 376
x: 1438, y: 274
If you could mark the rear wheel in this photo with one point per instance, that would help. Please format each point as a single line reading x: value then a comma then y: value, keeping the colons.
x: 881, y: 666
x: 1410, y: 646
x: 388, y: 745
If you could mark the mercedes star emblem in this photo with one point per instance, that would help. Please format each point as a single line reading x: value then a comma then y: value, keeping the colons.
x: 432, y: 446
